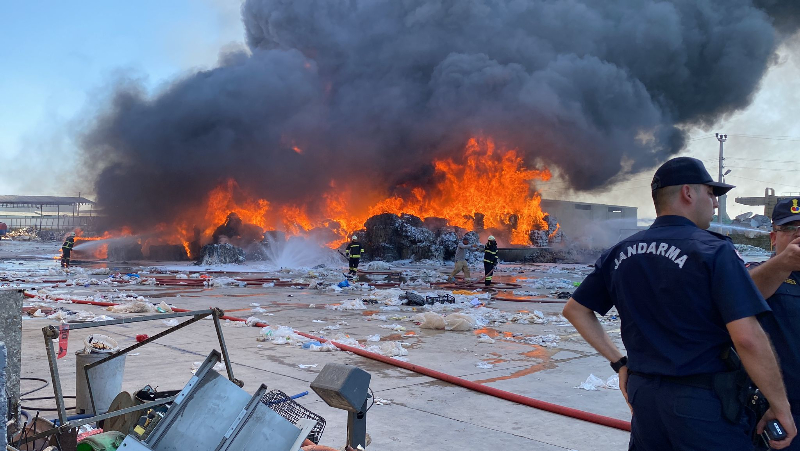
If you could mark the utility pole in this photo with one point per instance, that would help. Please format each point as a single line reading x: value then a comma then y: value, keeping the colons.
x: 721, y: 211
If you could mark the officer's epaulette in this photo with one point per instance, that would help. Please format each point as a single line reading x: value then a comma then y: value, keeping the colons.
x: 721, y: 236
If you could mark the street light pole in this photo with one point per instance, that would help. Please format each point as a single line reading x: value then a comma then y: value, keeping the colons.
x: 722, y: 199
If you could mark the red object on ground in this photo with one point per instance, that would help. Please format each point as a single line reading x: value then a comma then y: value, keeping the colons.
x: 89, y: 434
x: 502, y: 394
x: 142, y: 337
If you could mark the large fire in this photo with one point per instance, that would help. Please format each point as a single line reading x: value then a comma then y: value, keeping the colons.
x: 487, y: 187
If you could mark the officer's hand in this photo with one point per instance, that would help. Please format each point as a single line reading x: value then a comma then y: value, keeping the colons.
x: 787, y: 421
x: 791, y: 255
x: 623, y: 385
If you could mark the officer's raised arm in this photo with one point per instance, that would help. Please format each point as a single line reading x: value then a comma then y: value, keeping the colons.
x: 771, y: 274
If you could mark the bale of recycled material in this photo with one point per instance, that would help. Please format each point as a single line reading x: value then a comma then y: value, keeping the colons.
x: 220, y: 254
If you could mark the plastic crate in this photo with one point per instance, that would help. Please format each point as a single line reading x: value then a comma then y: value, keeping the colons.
x: 443, y: 299
x: 286, y: 407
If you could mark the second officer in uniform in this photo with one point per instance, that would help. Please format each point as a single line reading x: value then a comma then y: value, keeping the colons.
x: 779, y: 281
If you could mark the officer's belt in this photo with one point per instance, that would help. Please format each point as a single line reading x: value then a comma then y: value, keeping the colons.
x: 705, y: 380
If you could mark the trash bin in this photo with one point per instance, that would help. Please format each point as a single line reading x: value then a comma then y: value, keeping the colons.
x: 106, y: 378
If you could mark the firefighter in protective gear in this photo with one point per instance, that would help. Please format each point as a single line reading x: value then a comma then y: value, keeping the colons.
x: 489, y: 259
x: 66, y: 250
x: 353, y: 253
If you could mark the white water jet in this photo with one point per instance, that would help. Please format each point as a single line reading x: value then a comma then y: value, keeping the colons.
x: 297, y: 252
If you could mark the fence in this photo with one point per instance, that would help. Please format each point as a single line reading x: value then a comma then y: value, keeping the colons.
x: 53, y: 223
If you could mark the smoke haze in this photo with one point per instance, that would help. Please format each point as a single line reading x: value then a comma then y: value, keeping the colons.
x: 367, y: 93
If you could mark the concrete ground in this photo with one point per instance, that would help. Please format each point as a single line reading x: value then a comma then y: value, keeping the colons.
x: 420, y: 412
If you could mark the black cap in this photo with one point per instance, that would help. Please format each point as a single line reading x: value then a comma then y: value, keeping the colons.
x: 786, y: 211
x: 686, y: 171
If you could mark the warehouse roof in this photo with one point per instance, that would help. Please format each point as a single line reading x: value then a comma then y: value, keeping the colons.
x: 21, y: 201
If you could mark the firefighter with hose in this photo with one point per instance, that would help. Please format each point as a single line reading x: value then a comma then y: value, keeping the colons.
x: 489, y: 259
x: 66, y: 249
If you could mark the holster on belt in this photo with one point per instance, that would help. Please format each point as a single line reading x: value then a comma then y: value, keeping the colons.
x: 732, y: 386
x: 731, y: 389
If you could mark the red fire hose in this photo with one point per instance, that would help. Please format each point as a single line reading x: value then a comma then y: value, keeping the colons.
x: 502, y: 394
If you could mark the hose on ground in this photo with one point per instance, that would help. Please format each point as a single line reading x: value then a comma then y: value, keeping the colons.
x: 502, y: 394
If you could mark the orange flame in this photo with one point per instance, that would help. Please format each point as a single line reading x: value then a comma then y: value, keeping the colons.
x: 486, y: 184
x: 494, y: 184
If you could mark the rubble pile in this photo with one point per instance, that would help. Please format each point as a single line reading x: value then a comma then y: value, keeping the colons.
x: 33, y: 234
x: 220, y: 254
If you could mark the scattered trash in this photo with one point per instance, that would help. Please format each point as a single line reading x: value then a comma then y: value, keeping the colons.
x: 306, y: 366
x: 395, y: 327
x: 281, y: 335
x: 593, y: 383
x: 170, y: 322
x: 382, y: 402
x: 484, y: 365
x: 139, y: 306
x: 219, y: 367
x: 389, y: 349
x: 483, y: 338
x: 99, y: 343
x: 252, y: 321
x: 324, y: 347
x: 350, y: 304
x: 375, y: 337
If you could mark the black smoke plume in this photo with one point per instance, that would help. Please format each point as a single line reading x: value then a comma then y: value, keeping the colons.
x: 371, y: 91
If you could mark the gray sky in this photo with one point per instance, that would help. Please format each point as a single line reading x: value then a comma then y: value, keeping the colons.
x: 53, y: 78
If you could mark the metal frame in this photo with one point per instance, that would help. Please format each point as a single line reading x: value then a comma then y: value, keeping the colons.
x: 51, y: 333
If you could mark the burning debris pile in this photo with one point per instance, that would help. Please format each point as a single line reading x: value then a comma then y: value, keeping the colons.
x: 389, y: 237
x: 218, y: 254
x: 543, y: 237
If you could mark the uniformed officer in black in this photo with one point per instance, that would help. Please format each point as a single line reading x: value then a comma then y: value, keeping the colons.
x: 778, y: 279
x: 683, y: 295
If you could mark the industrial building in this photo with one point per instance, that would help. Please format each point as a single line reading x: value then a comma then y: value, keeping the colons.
x: 52, y: 213
x: 592, y: 225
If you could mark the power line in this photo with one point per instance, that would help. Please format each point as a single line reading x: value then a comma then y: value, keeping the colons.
x: 770, y: 138
x: 772, y: 182
x: 784, y: 161
x: 700, y: 138
x: 764, y: 169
